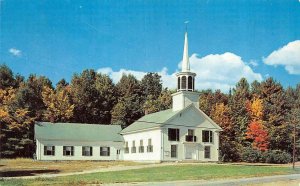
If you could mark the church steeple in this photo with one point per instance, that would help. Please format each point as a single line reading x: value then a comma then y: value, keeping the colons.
x: 185, y: 78
x: 185, y: 94
x: 185, y: 58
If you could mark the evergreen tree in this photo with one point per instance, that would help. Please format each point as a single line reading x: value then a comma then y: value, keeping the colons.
x: 119, y: 114
x: 6, y: 77
x: 107, y: 97
x: 275, y: 115
x: 130, y: 93
x: 240, y: 117
x: 62, y: 84
x: 151, y: 85
x: 256, y: 89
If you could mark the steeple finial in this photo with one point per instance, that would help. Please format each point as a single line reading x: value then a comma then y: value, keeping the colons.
x: 185, y: 59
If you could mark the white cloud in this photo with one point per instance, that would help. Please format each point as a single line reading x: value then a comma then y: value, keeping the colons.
x: 221, y: 71
x: 215, y: 71
x: 168, y: 80
x: 253, y: 63
x: 15, y: 52
x: 287, y: 56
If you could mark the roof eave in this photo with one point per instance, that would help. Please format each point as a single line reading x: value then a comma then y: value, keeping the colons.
x: 140, y: 130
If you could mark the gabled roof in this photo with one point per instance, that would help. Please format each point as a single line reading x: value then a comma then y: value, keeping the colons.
x: 159, y: 119
x: 77, y: 132
x: 153, y: 120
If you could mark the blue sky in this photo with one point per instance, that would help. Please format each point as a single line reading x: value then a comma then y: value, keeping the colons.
x: 227, y: 39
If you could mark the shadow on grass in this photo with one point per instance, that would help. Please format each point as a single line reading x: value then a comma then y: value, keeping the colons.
x: 18, y: 173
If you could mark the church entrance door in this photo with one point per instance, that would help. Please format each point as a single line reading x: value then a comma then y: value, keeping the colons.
x: 190, y: 152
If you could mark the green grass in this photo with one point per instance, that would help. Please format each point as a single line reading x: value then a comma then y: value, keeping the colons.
x: 165, y: 173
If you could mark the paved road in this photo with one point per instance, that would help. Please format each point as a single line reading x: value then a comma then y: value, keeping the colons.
x: 284, y: 180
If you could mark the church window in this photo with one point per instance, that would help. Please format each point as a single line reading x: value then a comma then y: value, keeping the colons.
x: 133, y: 148
x: 183, y: 82
x: 104, y: 151
x: 126, y: 150
x: 49, y: 150
x: 150, y: 146
x: 87, y: 151
x: 207, y: 136
x: 68, y: 150
x: 190, y: 83
x: 178, y: 83
x: 173, y: 134
x: 141, y: 147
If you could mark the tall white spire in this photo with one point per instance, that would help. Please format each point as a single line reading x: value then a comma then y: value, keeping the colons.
x: 185, y: 59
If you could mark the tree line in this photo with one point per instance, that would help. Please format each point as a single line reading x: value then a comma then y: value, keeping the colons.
x: 256, y: 117
x: 90, y: 97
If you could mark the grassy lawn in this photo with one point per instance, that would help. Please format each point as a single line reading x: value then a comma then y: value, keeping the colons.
x: 28, y: 167
x: 165, y: 173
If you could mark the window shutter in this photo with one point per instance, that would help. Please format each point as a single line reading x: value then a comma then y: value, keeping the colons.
x: 177, y: 134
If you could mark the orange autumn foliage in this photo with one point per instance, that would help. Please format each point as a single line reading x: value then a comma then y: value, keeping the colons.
x: 257, y: 132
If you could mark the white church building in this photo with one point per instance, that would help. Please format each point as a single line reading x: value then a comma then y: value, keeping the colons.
x: 181, y: 133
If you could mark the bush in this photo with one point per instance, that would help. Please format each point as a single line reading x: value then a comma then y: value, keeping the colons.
x: 277, y: 156
x: 273, y: 156
x: 251, y: 156
x: 230, y: 152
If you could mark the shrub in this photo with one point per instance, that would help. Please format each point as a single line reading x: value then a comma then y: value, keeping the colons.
x: 251, y: 156
x: 277, y: 156
x: 230, y: 152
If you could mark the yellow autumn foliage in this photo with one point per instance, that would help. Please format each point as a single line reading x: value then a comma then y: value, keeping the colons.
x: 255, y: 108
x: 58, y: 105
x: 17, y: 119
x: 221, y: 115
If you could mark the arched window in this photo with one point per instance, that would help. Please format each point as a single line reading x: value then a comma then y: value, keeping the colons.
x: 190, y: 83
x: 178, y: 84
x: 183, y: 82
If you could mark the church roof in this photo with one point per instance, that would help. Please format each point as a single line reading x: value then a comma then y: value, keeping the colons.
x: 153, y: 120
x: 77, y: 132
x: 159, y: 119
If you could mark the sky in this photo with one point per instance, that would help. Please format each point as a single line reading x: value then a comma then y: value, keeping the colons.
x: 228, y: 39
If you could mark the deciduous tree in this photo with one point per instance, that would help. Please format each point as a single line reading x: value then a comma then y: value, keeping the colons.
x: 58, y: 105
